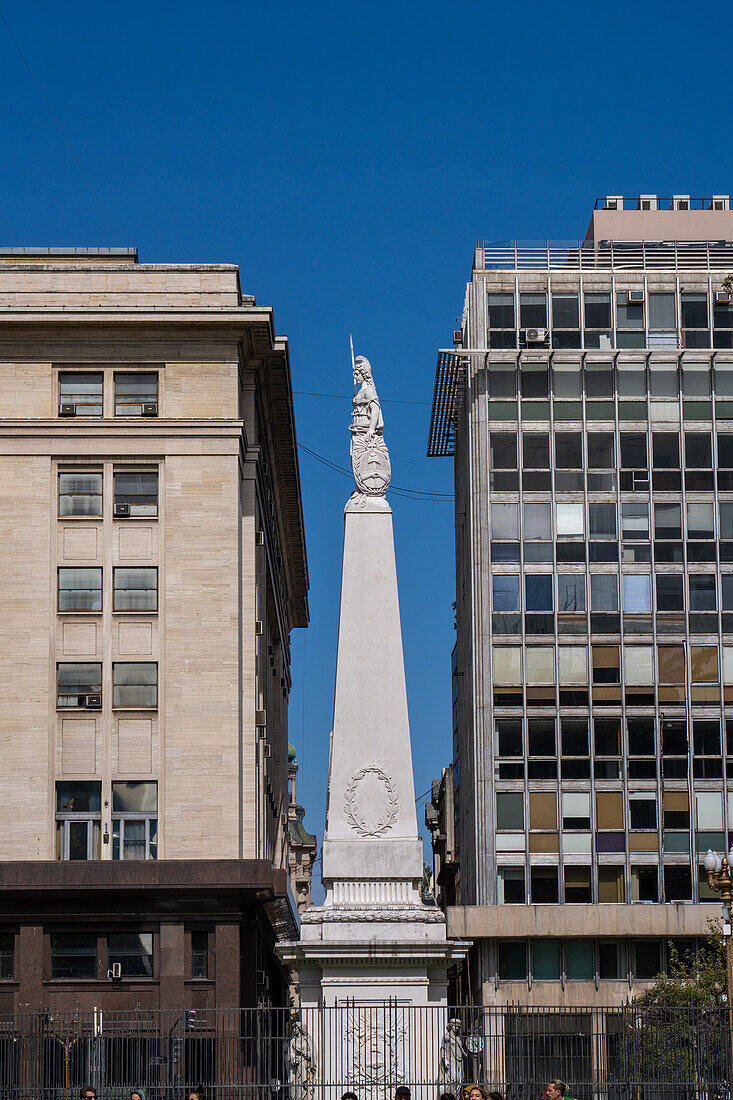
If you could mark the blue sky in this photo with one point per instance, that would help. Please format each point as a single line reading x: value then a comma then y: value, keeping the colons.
x: 348, y: 158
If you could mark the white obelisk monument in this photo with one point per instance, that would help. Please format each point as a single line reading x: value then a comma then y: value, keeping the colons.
x: 373, y: 942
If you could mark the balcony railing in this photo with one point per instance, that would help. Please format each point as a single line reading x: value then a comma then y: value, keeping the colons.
x: 605, y: 255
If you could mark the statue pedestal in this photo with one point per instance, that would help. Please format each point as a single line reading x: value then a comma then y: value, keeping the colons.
x: 372, y: 960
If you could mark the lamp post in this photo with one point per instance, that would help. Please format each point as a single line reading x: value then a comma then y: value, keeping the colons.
x: 720, y: 879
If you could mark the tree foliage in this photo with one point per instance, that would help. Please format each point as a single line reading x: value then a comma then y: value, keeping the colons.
x: 692, y: 980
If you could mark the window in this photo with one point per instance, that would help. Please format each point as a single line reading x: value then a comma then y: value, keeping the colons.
x: 507, y: 676
x: 576, y: 808
x: 546, y: 959
x: 642, y: 811
x: 543, y: 885
x: 645, y: 963
x: 639, y: 675
x: 629, y: 315
x: 696, y: 380
x: 508, y: 744
x: 134, y: 820
x: 79, y: 589
x: 136, y: 394
x: 512, y: 960
x: 633, y: 451
x: 74, y: 955
x: 538, y: 591
x: 506, y: 592
x: 503, y: 377
x: 637, y: 593
x: 699, y: 520
x: 501, y: 317
x: 597, y: 316
x: 133, y: 951
x: 702, y: 592
x: 567, y: 381
x: 505, y: 521
x: 565, y: 321
x: 671, y: 665
x: 510, y: 886
x: 535, y: 456
x: 577, y: 884
x: 662, y: 313
x: 579, y: 964
x: 570, y: 593
x: 612, y: 959
x: 80, y: 393
x: 635, y: 520
x: 78, y: 820
x: 667, y: 521
x: 136, y: 493
x: 695, y: 330
x: 7, y: 956
x: 611, y: 887
x: 600, y: 451
x: 135, y: 589
x: 199, y: 954
x: 538, y: 521
x: 568, y: 450
x: 79, y: 685
x: 540, y: 674
x: 535, y: 380
x: 541, y: 732
x: 602, y: 519
x: 599, y: 380
x: 135, y: 684
x: 644, y: 884
x: 569, y: 520
x: 533, y: 310
x: 509, y: 811
x: 80, y: 494
x: 699, y: 450
x: 670, y: 592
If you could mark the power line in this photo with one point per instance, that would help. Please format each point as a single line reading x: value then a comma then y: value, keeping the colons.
x: 345, y: 397
x: 413, y: 494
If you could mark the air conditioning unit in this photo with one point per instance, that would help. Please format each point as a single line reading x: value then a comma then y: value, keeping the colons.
x: 720, y: 202
x: 67, y: 410
x: 457, y: 337
x: 647, y: 202
x: 92, y: 702
x: 115, y: 972
x: 259, y: 538
x: 614, y: 202
x: 680, y: 202
x: 635, y: 297
x: 267, y: 751
x: 260, y: 718
x: 534, y: 335
x: 722, y: 296
x: 121, y: 511
x: 258, y: 626
x: 150, y: 408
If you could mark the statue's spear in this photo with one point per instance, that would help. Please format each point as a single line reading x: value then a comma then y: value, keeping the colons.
x: 353, y: 361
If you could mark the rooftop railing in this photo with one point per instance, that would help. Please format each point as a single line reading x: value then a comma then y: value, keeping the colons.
x: 661, y: 202
x: 605, y: 256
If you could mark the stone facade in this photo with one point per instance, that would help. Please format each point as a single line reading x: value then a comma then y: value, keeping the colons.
x: 220, y: 540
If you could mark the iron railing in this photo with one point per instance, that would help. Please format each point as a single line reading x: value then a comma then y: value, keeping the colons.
x: 282, y: 1054
x: 604, y: 255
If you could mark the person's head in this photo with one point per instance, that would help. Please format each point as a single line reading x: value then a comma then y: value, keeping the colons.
x: 556, y: 1089
x: 402, y: 1093
x: 447, y: 1096
x: 195, y: 1094
x: 363, y: 369
x: 88, y: 1092
x: 495, y: 1096
x: 476, y: 1093
x: 349, y: 1096
x: 137, y: 1094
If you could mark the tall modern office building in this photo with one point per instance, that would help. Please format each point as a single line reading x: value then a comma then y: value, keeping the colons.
x: 152, y: 568
x: 588, y: 404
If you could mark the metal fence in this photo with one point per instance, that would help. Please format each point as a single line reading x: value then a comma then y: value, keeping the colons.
x: 280, y: 1054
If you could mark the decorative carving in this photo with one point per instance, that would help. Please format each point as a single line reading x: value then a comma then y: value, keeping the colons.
x: 395, y: 914
x: 369, y: 454
x: 452, y: 1058
x: 351, y: 806
x: 300, y: 1063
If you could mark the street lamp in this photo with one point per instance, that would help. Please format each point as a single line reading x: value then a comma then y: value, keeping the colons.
x: 720, y: 879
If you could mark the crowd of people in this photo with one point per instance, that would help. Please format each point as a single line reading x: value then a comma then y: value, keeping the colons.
x: 556, y: 1090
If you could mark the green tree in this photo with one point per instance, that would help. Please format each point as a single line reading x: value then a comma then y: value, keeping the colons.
x: 691, y: 980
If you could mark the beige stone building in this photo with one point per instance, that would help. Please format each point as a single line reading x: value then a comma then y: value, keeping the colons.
x: 152, y: 568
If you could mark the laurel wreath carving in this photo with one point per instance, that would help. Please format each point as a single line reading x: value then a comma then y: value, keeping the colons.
x: 351, y: 806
